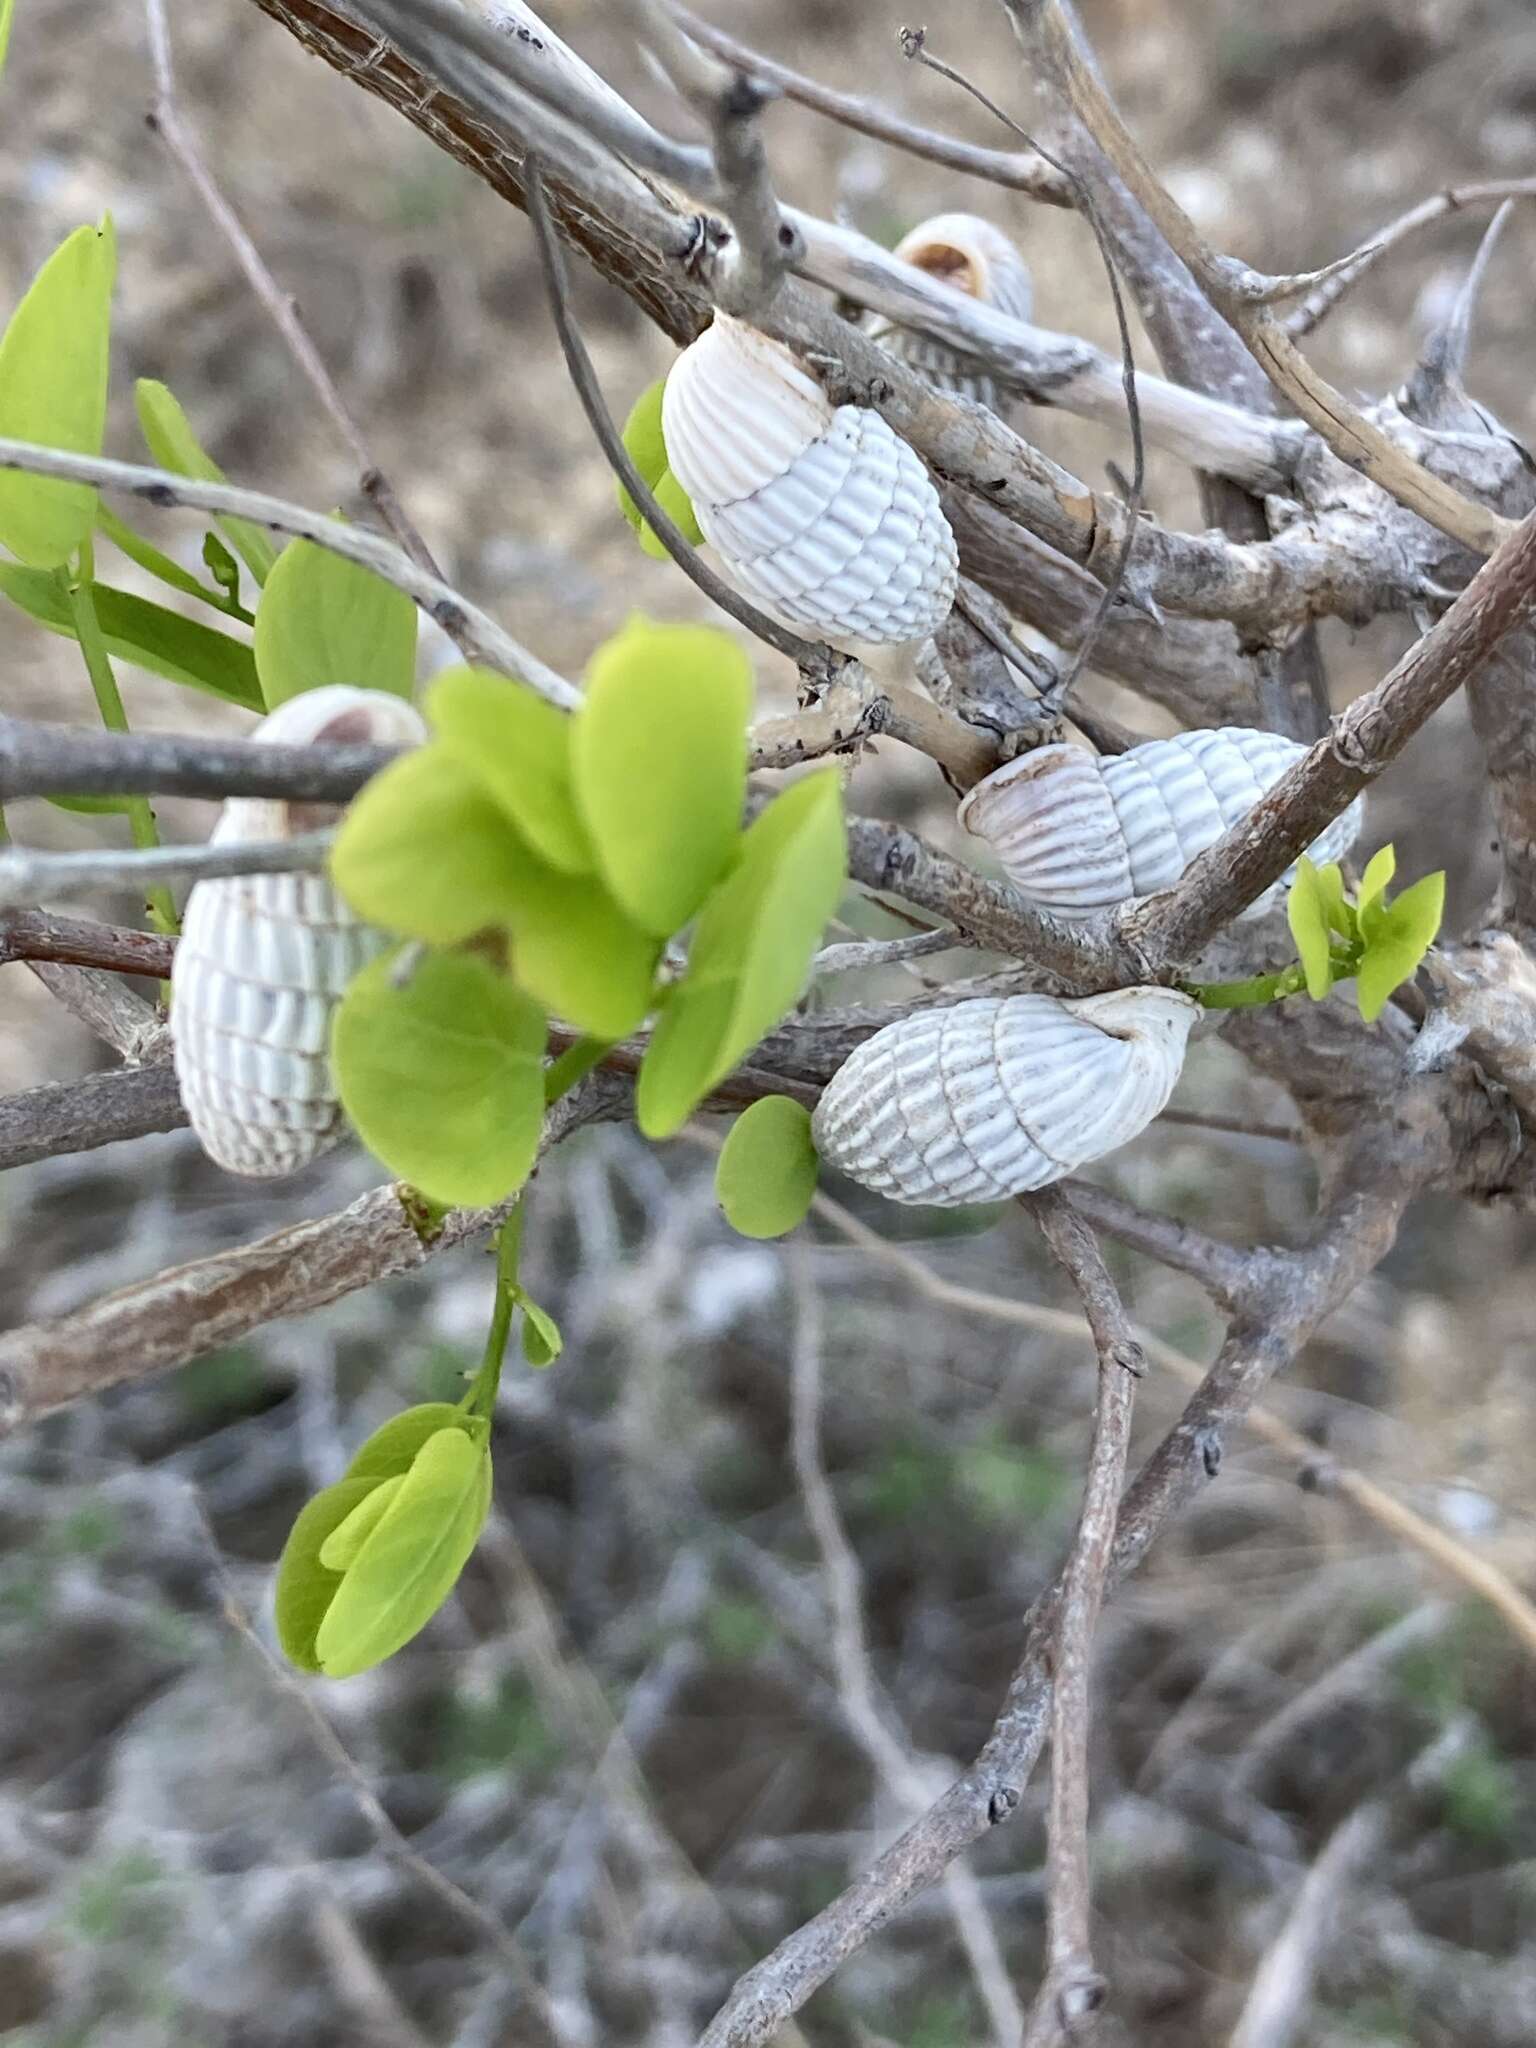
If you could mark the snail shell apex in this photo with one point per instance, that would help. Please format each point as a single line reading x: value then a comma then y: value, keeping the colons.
x: 998, y: 1095
x: 822, y: 515
x: 263, y: 960
x: 1077, y: 832
x: 974, y: 258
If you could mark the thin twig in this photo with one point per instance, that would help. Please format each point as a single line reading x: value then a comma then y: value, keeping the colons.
x: 52, y: 760
x: 464, y: 621
x: 174, y: 129
x: 861, y: 955
x: 1027, y: 173
x: 81, y: 942
x: 27, y: 876
x: 1072, y: 1988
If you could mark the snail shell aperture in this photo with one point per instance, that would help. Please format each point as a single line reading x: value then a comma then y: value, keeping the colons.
x: 822, y: 515
x: 972, y: 257
x: 998, y: 1095
x: 1079, y: 832
x: 263, y: 961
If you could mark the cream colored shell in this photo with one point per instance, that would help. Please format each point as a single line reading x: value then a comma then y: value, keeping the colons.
x: 263, y: 960
x: 823, y: 516
x: 1078, y: 832
x: 974, y: 258
x: 1001, y: 1094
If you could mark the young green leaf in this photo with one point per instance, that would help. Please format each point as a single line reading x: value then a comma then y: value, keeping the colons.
x: 751, y: 950
x: 1337, y: 908
x: 1379, y: 870
x: 411, y: 1561
x: 443, y: 1076
x: 1402, y: 933
x: 542, y: 1341
x: 322, y: 619
x: 225, y: 571
x: 671, y: 497
x: 647, y: 449
x: 154, y: 562
x: 389, y: 1451
x: 143, y: 633
x: 341, y: 1547
x: 423, y: 851
x: 53, y: 390
x: 7, y: 9
x: 305, y: 1589
x: 169, y: 437
x: 766, y: 1173
x: 1307, y: 913
x: 519, y: 749
x: 660, y: 761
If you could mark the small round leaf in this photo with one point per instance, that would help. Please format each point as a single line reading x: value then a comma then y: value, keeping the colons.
x: 766, y: 1173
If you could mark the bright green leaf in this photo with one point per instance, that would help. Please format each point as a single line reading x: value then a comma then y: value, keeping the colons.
x: 144, y: 634
x: 1337, y: 908
x: 305, y: 1589
x: 423, y: 851
x: 542, y: 1341
x: 411, y: 1561
x: 341, y: 1547
x: 766, y: 1174
x: 1306, y: 911
x: 647, y: 448
x: 169, y: 437
x: 389, y: 1451
x: 322, y: 619
x: 7, y: 9
x: 518, y: 748
x: 53, y: 390
x: 751, y: 950
x: 660, y: 760
x: 1403, y: 933
x: 1379, y: 870
x: 93, y: 806
x: 224, y: 569
x: 154, y: 562
x: 671, y: 497
x: 443, y: 1076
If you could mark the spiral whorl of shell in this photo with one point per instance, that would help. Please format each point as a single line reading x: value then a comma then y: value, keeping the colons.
x: 263, y: 961
x: 978, y: 260
x: 1001, y: 1094
x: 1078, y: 832
x: 823, y: 516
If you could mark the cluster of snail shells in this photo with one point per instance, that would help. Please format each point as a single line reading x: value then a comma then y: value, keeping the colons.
x: 1000, y: 1094
x: 822, y: 515
x: 974, y: 258
x: 263, y: 961
x: 1077, y: 832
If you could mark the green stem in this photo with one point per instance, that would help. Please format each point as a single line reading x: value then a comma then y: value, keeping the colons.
x: 481, y: 1398
x: 564, y: 1072
x: 1262, y: 988
x: 109, y: 702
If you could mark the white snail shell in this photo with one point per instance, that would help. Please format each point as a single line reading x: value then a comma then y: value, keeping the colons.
x: 822, y: 515
x: 263, y: 961
x: 1079, y: 832
x: 1001, y: 1094
x: 972, y: 257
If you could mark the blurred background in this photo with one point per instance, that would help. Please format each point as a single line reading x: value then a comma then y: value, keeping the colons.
x: 624, y: 1745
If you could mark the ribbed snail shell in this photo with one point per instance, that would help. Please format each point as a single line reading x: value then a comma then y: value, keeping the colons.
x: 823, y: 516
x: 1078, y: 832
x: 973, y: 257
x: 263, y: 960
x: 1001, y: 1094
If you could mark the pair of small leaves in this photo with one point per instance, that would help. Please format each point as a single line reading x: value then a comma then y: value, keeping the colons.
x: 648, y: 451
x: 1381, y: 943
x: 373, y: 1558
x: 169, y: 437
x: 765, y: 1178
